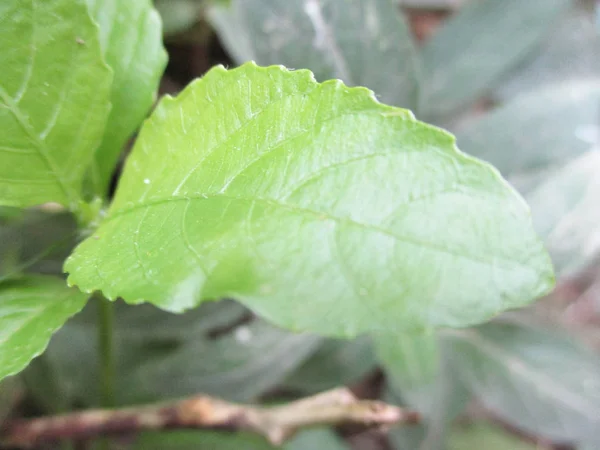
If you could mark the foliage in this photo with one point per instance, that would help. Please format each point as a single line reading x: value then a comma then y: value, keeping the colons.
x: 321, y: 210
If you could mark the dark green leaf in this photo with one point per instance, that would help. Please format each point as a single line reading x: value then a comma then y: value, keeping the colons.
x: 482, y: 42
x: 31, y: 310
x: 335, y: 363
x: 54, y: 100
x: 200, y: 440
x: 363, y: 43
x: 131, y: 40
x: 539, y: 381
x: 38, y: 242
x: 485, y: 436
x: 260, y: 177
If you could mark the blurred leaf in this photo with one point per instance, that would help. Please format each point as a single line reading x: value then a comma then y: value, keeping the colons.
x: 432, y: 4
x: 53, y: 100
x: 178, y: 15
x: 315, y: 439
x: 31, y: 310
x: 419, y: 374
x: 363, y: 43
x: 485, y: 436
x: 484, y: 40
x: 566, y: 213
x: 36, y: 242
x: 200, y: 440
x: 540, y: 381
x: 161, y: 355
x: 335, y: 363
x: 571, y: 53
x: 361, y: 186
x: 131, y: 40
x: 238, y: 366
x: 11, y: 390
x: 536, y: 132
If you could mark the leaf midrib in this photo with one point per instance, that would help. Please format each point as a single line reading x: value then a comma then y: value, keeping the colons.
x: 320, y: 215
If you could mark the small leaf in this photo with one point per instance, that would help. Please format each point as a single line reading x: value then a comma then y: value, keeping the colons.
x: 54, y: 100
x: 566, y: 215
x: 131, y: 40
x: 539, y: 381
x: 31, y: 310
x: 365, y: 43
x: 335, y: 363
x: 570, y: 53
x: 315, y: 206
x: 481, y: 435
x: 419, y: 373
x: 536, y: 132
x: 482, y: 42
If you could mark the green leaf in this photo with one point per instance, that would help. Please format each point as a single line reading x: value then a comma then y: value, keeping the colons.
x: 38, y: 242
x: 481, y: 435
x: 536, y: 132
x: 571, y: 53
x: 216, y: 349
x: 367, y: 43
x: 485, y: 39
x: 335, y: 363
x: 315, y: 206
x: 31, y: 310
x: 54, y: 100
x: 540, y: 381
x: 131, y: 40
x: 200, y: 439
x: 566, y: 215
x: 419, y: 373
x: 317, y: 438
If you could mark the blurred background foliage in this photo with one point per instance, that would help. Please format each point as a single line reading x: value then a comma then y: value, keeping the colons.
x: 518, y: 82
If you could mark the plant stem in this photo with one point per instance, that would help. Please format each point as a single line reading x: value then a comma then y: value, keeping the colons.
x: 106, y: 352
x: 276, y: 423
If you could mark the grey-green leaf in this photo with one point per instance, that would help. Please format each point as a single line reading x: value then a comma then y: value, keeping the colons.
x: 315, y: 206
x: 131, y: 40
x: 536, y: 132
x: 363, y: 43
x: 54, y: 100
x: 482, y: 42
x: 540, y: 381
x: 31, y: 310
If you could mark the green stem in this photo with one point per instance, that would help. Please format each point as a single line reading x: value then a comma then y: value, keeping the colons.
x: 106, y: 352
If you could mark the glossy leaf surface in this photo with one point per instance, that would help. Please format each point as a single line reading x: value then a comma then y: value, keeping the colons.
x: 315, y: 206
x: 54, y: 100
x: 31, y: 310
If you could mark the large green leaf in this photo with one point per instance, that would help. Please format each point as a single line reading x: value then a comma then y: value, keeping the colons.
x: 54, y: 99
x: 365, y: 43
x: 131, y: 39
x: 31, y: 309
x: 335, y: 363
x: 477, y: 46
x: 314, y: 205
x: 540, y: 381
x: 536, y: 132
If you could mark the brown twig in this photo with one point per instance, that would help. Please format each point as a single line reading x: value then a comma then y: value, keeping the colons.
x: 276, y: 423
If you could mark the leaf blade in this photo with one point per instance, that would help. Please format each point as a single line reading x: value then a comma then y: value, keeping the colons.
x: 251, y: 184
x: 31, y: 310
x: 53, y: 77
